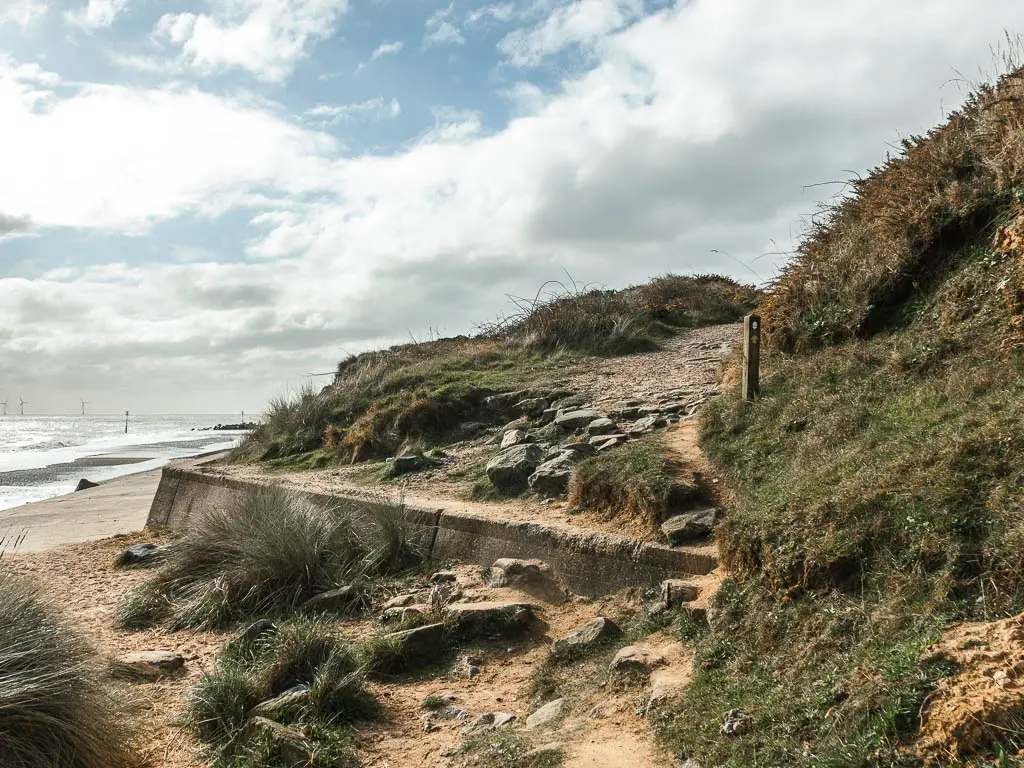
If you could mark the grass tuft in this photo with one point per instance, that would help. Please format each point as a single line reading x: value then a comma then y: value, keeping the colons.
x: 53, y: 709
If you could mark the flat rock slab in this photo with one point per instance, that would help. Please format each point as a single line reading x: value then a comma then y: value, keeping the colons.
x: 418, y: 643
x: 334, y: 601
x: 589, y: 635
x: 147, y: 665
x: 531, y: 576
x: 293, y: 697
x: 689, y: 525
x: 635, y: 660
x: 675, y: 592
x: 577, y: 419
x: 138, y: 554
x: 487, y: 617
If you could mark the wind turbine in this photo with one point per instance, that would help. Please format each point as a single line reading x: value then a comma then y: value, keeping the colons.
x: 84, y: 403
x: 24, y: 402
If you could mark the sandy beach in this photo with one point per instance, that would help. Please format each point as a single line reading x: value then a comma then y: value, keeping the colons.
x: 115, y: 506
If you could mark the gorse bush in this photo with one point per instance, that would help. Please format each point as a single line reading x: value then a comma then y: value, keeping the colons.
x: 53, y: 710
x: 422, y: 393
x: 265, y: 554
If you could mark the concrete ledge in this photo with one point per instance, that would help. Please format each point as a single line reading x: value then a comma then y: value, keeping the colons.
x: 588, y: 563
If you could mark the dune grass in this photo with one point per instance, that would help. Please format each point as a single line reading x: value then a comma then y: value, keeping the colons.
x: 53, y: 709
x: 264, y: 555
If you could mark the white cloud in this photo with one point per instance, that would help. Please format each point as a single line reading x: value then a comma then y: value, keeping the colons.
x: 578, y: 23
x: 372, y: 109
x: 440, y: 31
x: 387, y: 49
x: 498, y: 12
x: 264, y: 37
x: 23, y: 13
x: 97, y: 14
x: 692, y: 130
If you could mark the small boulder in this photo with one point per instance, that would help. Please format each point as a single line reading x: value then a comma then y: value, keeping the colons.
x: 407, y: 462
x: 635, y: 660
x: 333, y: 601
x: 403, y: 613
x: 626, y: 413
x: 491, y: 618
x: 147, y: 666
x: 399, y: 601
x: 569, y: 402
x: 646, y: 424
x: 533, y: 406
x: 261, y: 629
x: 598, y: 440
x: 551, y: 478
x: 591, y: 634
x: 522, y: 423
x: 547, y: 714
x: 577, y: 419
x: 489, y: 721
x: 443, y: 577
x: 583, y: 449
x: 531, y: 576
x: 547, y: 415
x: 689, y: 525
x: 510, y: 470
x: 418, y: 643
x: 612, y: 442
x: 675, y: 592
x: 84, y: 485
x: 735, y: 723
x: 289, y: 748
x: 294, y: 697
x: 514, y: 437
x: 139, y: 554
x: 601, y: 427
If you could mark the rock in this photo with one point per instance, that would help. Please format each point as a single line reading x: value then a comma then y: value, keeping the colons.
x: 576, y: 419
x: 612, y: 443
x: 139, y: 553
x: 552, y: 477
x: 626, y: 413
x: 418, y: 643
x: 522, y: 423
x: 593, y: 633
x: 671, y: 409
x: 510, y: 470
x: 531, y: 576
x: 598, y: 440
x: 147, y: 666
x: 407, y: 462
x: 514, y: 437
x: 84, y: 485
x: 603, y: 426
x: 583, y: 449
x: 491, y: 618
x: 689, y: 525
x: 645, y: 424
x: 547, y: 415
x: 504, y: 400
x: 546, y: 714
x: 736, y: 721
x: 649, y: 410
x: 399, y: 601
x: 293, y: 697
x: 334, y: 601
x: 443, y: 577
x: 675, y: 592
x: 489, y: 721
x: 289, y: 748
x: 569, y: 402
x: 261, y: 629
x: 635, y: 660
x: 533, y: 406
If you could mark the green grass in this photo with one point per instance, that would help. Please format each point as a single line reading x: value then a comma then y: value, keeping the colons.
x: 301, y: 652
x: 506, y: 748
x: 879, y: 497
x: 636, y: 480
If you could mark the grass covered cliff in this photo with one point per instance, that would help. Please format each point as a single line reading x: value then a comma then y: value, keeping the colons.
x: 879, y: 486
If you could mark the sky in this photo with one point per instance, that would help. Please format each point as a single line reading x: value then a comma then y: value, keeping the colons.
x: 204, y: 201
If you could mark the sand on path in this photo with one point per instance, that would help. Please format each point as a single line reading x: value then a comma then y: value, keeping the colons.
x: 117, y: 506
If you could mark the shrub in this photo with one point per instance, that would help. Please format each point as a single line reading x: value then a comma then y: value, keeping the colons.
x: 53, y: 711
x: 266, y: 553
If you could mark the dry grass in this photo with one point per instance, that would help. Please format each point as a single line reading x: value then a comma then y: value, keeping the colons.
x: 53, y: 710
x: 869, y: 250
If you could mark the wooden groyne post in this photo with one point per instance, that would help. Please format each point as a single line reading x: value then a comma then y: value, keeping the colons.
x: 751, y: 356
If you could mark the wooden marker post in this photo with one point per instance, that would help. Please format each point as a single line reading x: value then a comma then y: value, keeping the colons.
x: 751, y: 356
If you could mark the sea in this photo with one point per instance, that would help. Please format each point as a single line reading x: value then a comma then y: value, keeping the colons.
x: 46, y: 456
